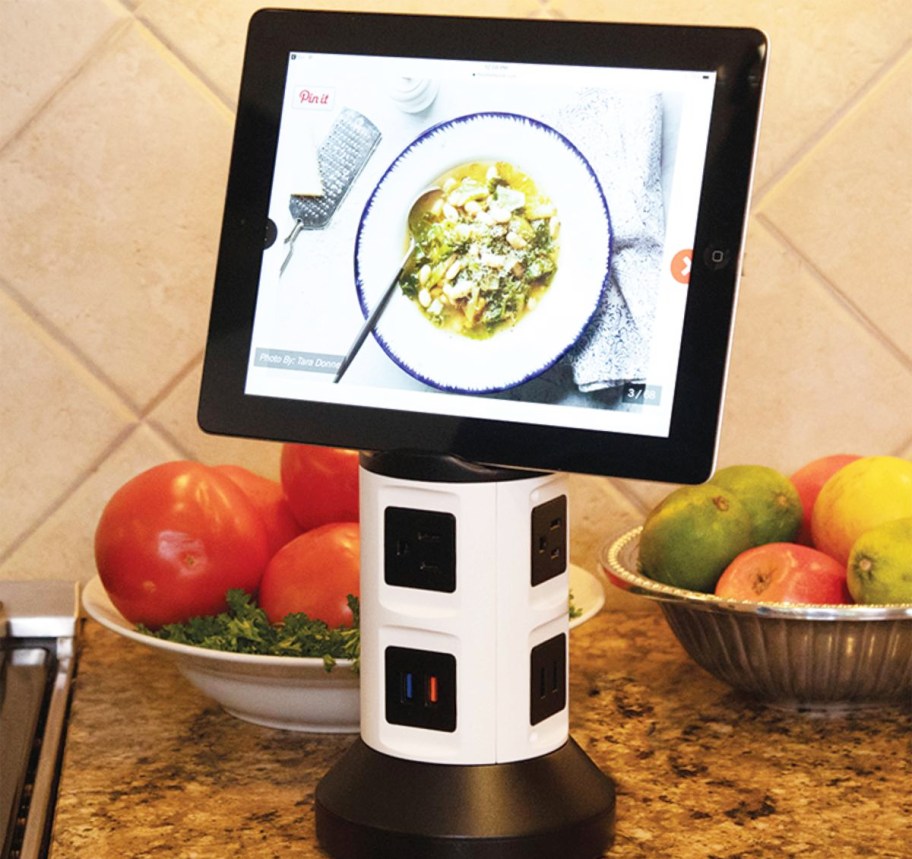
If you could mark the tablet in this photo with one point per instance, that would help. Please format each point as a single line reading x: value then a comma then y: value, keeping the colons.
x: 513, y: 241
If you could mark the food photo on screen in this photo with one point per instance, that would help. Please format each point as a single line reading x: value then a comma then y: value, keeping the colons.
x: 487, y: 242
x: 491, y: 250
x: 503, y: 237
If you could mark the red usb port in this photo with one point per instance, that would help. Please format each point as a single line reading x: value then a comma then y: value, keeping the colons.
x: 433, y: 694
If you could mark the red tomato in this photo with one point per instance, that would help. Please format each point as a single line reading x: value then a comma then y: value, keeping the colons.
x: 320, y: 483
x: 174, y: 539
x: 314, y: 574
x: 269, y: 499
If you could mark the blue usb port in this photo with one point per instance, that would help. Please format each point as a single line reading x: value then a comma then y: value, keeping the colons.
x: 420, y: 688
x: 408, y: 687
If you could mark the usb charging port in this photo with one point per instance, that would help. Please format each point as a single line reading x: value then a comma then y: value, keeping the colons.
x: 420, y: 688
x: 408, y: 688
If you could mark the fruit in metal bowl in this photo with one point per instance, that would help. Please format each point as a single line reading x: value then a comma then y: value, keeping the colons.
x: 880, y: 564
x: 692, y: 536
x: 787, y: 573
x: 862, y: 495
x: 809, y: 480
x: 859, y: 548
x: 770, y: 498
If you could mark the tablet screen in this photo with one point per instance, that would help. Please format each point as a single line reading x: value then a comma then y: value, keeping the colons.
x: 513, y: 241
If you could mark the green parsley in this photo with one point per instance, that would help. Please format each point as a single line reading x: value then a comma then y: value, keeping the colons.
x: 574, y: 611
x: 244, y: 628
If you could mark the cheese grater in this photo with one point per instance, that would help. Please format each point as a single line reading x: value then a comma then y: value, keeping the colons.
x: 341, y: 158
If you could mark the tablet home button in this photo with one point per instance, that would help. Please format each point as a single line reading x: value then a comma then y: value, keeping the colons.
x: 717, y: 257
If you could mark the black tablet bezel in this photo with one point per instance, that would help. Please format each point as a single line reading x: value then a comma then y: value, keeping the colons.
x: 737, y: 55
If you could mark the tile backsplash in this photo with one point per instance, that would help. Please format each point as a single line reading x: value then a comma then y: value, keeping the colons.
x: 115, y: 131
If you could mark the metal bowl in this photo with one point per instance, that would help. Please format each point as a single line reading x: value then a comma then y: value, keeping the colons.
x: 785, y: 655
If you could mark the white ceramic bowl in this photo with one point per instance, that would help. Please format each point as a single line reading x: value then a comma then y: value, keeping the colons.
x: 792, y: 656
x: 587, y: 595
x: 288, y: 692
x: 451, y: 361
x: 293, y: 693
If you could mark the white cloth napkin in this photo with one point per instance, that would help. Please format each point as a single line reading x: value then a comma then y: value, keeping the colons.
x: 620, y: 135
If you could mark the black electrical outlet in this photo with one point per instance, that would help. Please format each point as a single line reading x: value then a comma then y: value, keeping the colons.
x: 419, y: 549
x: 549, y: 539
x: 420, y: 688
x: 548, y: 678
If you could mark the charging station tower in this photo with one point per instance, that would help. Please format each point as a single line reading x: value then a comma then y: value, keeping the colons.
x: 465, y: 749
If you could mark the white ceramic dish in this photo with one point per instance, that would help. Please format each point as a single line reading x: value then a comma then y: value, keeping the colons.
x: 587, y: 595
x: 451, y: 361
x: 291, y: 693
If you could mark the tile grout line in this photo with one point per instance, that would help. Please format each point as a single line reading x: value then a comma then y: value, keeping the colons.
x: 624, y: 488
x: 118, y: 441
x: 139, y: 414
x: 115, y: 32
x: 823, y: 131
x: 76, y: 354
x: 169, y: 386
x: 192, y: 69
x: 56, y: 336
x: 163, y: 394
x: 72, y: 487
x: 848, y: 304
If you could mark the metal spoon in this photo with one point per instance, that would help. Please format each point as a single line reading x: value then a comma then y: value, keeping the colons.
x: 418, y: 223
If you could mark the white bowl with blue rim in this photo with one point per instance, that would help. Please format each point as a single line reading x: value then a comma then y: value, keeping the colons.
x: 451, y: 361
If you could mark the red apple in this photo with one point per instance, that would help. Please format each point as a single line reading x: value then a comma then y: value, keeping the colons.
x: 809, y: 479
x: 785, y: 572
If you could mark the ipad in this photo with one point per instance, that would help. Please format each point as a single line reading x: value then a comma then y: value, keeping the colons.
x: 513, y: 241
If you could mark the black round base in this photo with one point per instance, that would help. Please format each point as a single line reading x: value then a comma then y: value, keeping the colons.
x: 374, y: 806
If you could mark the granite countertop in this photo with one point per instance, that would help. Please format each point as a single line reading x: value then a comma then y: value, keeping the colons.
x: 152, y: 768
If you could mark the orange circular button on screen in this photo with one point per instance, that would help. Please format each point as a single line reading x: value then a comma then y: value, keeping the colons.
x: 680, y: 265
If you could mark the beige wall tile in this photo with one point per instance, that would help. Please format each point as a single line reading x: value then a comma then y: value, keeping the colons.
x: 63, y: 546
x: 598, y: 513
x: 175, y: 418
x: 847, y: 207
x: 806, y: 379
x: 472, y: 8
x: 210, y: 34
x: 118, y: 194
x: 56, y: 420
x: 645, y: 494
x: 823, y: 52
x: 43, y: 43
